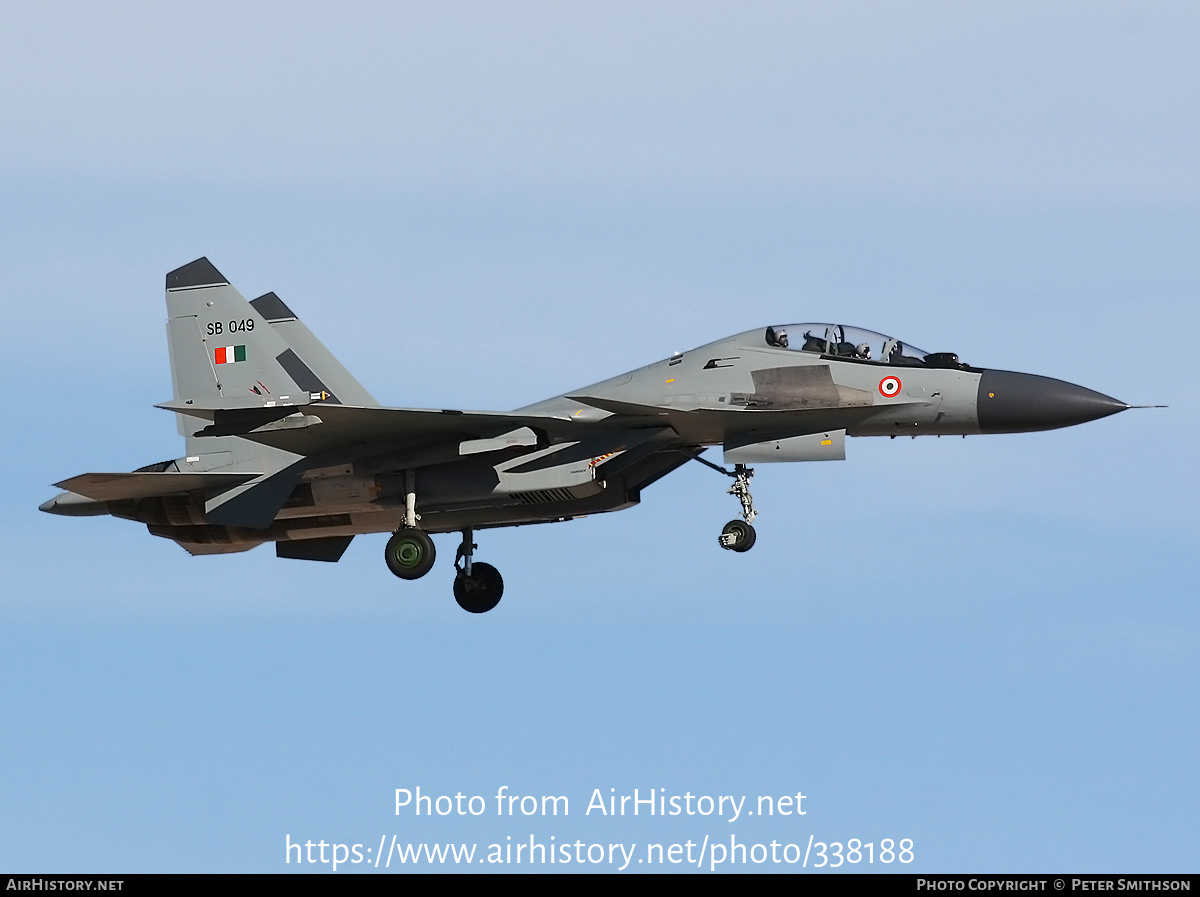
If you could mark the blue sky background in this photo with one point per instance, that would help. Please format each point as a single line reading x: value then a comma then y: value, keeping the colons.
x: 987, y: 645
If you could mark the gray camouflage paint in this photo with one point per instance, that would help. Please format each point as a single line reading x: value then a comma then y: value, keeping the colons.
x: 287, y: 446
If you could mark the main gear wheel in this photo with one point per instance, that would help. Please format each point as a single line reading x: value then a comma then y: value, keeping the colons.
x: 410, y: 553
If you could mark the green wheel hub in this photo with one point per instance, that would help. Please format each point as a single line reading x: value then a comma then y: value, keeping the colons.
x: 410, y: 554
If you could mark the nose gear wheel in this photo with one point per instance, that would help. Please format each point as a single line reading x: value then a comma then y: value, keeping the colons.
x: 737, y: 536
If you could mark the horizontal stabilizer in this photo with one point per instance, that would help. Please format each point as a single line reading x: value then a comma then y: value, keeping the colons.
x: 132, y: 486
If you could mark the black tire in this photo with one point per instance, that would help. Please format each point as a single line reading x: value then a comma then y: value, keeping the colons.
x: 743, y: 535
x: 410, y: 554
x: 479, y: 592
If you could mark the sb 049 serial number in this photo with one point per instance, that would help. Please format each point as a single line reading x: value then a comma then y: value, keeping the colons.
x: 215, y: 328
x: 833, y: 854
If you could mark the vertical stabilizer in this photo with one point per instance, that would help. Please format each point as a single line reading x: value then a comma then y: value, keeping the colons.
x: 224, y: 352
x: 313, y: 366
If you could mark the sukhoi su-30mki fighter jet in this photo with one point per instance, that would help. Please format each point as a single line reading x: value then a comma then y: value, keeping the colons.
x: 283, y: 445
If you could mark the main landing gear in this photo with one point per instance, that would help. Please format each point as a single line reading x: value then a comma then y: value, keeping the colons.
x: 737, y: 535
x: 409, y: 552
x: 410, y: 555
x: 477, y: 586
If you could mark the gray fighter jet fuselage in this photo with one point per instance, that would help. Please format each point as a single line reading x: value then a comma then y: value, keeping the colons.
x: 283, y: 445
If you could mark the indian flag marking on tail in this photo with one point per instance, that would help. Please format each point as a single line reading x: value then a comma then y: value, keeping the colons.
x: 229, y: 354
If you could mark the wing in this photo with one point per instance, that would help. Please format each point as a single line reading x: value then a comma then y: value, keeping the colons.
x: 318, y: 428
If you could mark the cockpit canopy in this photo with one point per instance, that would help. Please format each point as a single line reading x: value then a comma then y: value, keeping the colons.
x: 844, y: 342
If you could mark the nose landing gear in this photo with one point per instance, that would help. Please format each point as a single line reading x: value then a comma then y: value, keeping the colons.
x: 739, y: 535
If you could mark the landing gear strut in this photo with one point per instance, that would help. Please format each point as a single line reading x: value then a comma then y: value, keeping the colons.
x: 738, y: 535
x: 741, y: 489
x: 477, y: 586
x: 409, y: 552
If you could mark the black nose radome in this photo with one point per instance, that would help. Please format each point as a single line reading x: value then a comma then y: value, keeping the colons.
x: 1009, y: 402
